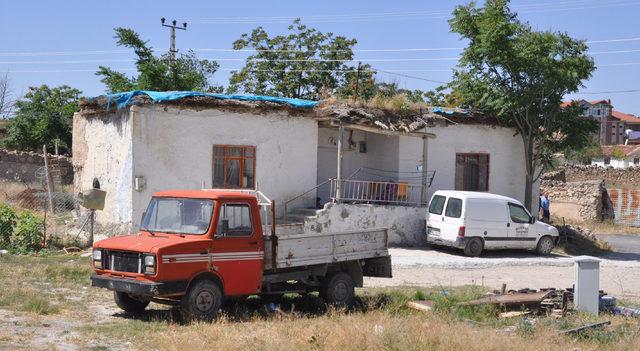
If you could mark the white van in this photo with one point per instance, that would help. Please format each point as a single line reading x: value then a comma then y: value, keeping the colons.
x: 474, y: 221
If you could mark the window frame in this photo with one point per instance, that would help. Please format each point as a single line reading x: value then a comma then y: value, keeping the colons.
x: 511, y: 204
x: 488, y: 170
x: 220, y: 217
x: 444, y: 202
x: 154, y: 204
x: 242, y: 158
x: 446, y: 208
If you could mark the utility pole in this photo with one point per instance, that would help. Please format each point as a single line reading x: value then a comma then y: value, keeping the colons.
x: 173, y: 26
x: 355, y: 96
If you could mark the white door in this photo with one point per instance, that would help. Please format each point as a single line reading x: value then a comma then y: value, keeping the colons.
x: 520, y: 234
x: 435, y: 216
x: 452, y: 219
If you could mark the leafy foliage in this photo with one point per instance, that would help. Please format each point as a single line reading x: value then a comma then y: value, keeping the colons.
x: 160, y: 73
x: 618, y: 153
x: 43, y: 116
x: 520, y: 76
x: 289, y: 66
x: 584, y: 154
x: 7, y: 222
x: 28, y: 233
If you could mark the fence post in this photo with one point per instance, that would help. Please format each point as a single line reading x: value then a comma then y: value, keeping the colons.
x: 423, y: 190
x: 91, y: 219
x: 47, y: 177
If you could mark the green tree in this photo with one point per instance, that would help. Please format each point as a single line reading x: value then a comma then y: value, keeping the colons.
x: 160, y: 73
x: 363, y: 82
x: 520, y: 76
x: 43, y: 116
x: 302, y: 64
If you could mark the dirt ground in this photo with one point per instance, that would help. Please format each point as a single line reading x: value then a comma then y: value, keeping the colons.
x: 619, y: 272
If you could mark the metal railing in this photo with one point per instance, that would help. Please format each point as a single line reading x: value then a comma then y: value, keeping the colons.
x: 304, y: 194
x: 376, y: 192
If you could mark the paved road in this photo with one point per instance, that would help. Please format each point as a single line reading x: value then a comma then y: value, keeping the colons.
x: 622, y: 243
x: 619, y: 273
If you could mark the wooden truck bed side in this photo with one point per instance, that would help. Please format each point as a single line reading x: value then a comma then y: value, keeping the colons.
x: 294, y: 250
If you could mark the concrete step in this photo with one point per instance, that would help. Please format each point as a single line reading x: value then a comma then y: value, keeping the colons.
x: 295, y: 218
x: 304, y: 211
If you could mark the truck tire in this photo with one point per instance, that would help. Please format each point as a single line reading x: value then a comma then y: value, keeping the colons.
x: 128, y: 303
x: 338, y: 289
x: 474, y: 247
x: 545, y: 245
x: 202, y: 301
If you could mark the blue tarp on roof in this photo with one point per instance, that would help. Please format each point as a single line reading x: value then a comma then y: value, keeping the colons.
x: 124, y: 99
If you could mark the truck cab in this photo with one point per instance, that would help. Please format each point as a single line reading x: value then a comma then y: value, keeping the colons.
x: 196, y: 247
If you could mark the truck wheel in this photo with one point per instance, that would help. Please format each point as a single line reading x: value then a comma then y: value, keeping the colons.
x: 202, y: 301
x: 545, y: 245
x: 128, y: 303
x: 338, y: 289
x: 473, y: 247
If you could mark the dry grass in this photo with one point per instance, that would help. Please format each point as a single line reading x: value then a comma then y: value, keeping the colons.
x: 380, y: 322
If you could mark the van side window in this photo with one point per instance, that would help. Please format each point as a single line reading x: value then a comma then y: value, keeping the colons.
x: 437, y: 204
x: 518, y: 214
x: 235, y: 220
x: 454, y: 208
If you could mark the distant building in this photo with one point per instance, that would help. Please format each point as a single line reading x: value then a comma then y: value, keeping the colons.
x: 615, y: 126
x: 618, y: 156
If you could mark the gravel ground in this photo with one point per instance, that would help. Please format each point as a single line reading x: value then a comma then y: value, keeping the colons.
x: 619, y: 272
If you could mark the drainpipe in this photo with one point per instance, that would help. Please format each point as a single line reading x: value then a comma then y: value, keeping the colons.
x: 423, y: 192
x: 339, y: 162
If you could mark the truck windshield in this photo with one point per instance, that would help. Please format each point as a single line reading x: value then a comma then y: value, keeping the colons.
x: 174, y: 215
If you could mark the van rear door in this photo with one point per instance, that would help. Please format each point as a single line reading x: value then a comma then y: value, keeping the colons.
x: 435, y: 216
x: 488, y: 219
x: 452, y: 219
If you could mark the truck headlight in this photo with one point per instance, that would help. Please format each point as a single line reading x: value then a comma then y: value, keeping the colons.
x: 149, y: 264
x: 97, y: 258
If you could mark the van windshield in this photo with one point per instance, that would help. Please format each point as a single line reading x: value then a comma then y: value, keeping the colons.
x: 175, y: 215
x: 437, y: 204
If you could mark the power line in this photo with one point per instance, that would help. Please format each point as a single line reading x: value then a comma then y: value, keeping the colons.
x: 410, y: 76
x: 611, y: 92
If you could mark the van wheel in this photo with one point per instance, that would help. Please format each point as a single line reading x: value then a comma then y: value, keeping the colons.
x: 338, y: 289
x: 545, y: 245
x: 128, y: 303
x: 474, y: 247
x: 202, y: 301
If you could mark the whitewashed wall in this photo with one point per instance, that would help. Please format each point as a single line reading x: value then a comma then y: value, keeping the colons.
x: 172, y: 149
x: 506, y: 156
x: 102, y: 148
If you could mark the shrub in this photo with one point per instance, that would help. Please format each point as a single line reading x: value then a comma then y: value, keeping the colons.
x: 28, y: 233
x: 7, y: 222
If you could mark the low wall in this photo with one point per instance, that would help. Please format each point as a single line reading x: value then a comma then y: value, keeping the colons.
x: 405, y: 224
x: 578, y: 201
x: 578, y: 173
x: 21, y: 166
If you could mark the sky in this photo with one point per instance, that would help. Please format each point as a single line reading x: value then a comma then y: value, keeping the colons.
x: 63, y: 42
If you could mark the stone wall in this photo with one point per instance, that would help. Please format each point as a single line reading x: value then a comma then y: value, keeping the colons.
x: 21, y: 166
x: 578, y: 201
x: 405, y: 223
x: 578, y: 173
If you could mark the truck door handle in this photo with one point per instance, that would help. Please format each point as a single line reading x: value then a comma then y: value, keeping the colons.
x: 252, y: 243
x: 508, y: 224
x: 203, y: 252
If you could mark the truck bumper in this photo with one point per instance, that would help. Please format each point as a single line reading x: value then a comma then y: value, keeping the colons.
x: 138, y: 287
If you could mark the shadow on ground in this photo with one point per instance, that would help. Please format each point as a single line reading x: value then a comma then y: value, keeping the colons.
x: 286, y: 307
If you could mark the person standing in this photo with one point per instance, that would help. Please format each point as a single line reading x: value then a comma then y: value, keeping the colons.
x: 544, y: 207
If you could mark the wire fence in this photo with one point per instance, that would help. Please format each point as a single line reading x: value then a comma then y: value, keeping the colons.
x: 626, y: 205
x: 35, y: 216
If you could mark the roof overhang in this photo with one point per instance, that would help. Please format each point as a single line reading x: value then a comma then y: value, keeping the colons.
x: 379, y: 130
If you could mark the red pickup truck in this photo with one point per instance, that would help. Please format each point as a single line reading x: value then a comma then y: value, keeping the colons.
x: 196, y: 247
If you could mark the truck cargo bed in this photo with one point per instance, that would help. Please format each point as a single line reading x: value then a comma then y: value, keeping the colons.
x: 294, y: 250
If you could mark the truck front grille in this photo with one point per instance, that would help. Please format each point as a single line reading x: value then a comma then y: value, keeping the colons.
x: 120, y: 261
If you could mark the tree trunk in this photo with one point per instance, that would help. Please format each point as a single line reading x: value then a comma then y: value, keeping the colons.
x: 530, y: 170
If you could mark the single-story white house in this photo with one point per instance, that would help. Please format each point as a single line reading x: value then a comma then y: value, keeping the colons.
x: 618, y: 156
x: 391, y: 161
